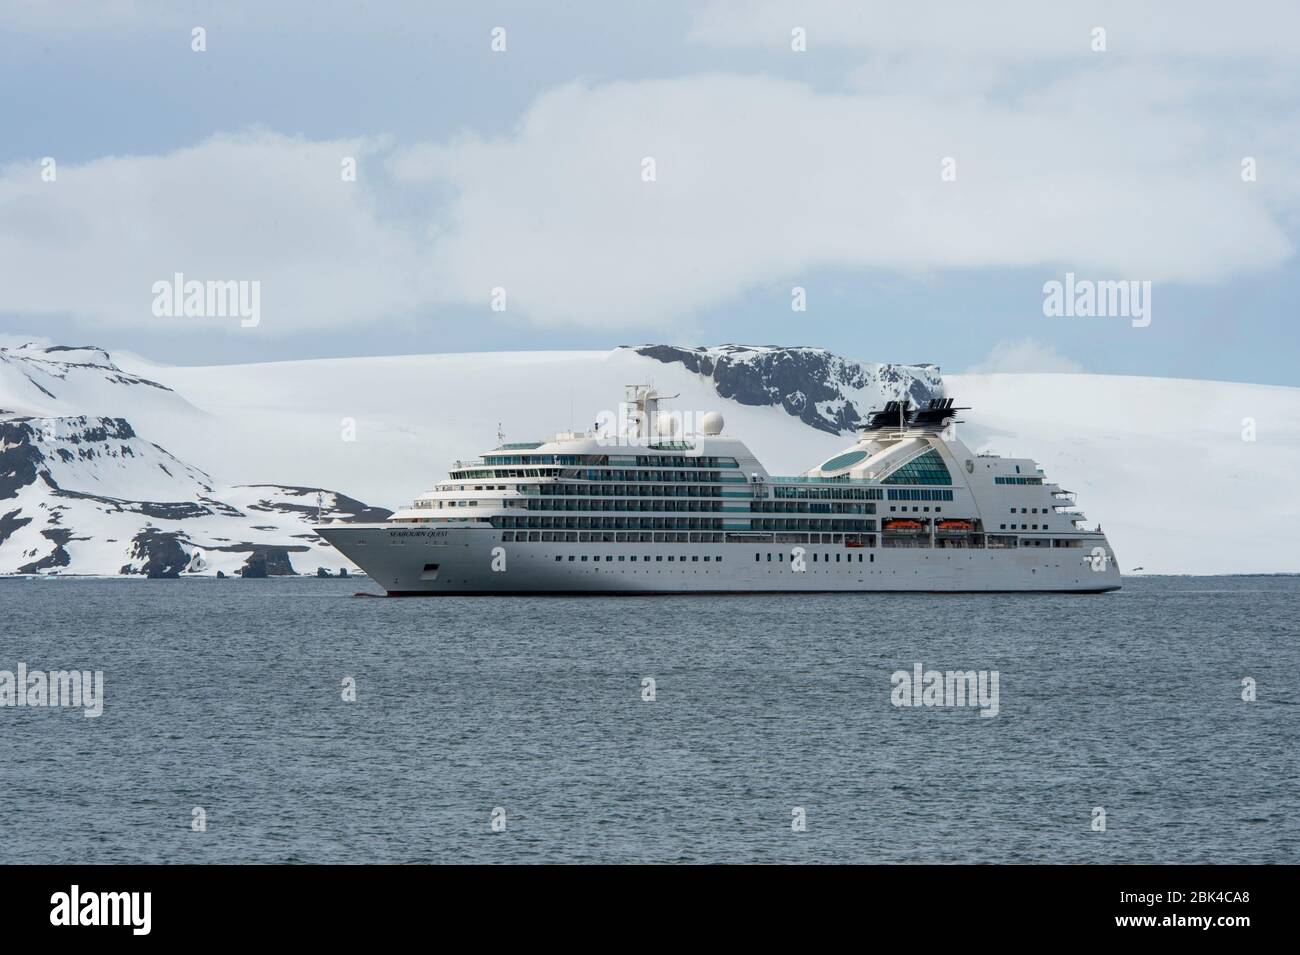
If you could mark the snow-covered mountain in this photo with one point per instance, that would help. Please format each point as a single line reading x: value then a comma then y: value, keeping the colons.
x: 1178, y: 477
x: 86, y: 494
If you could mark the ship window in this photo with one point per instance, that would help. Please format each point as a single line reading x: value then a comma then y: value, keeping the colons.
x: 670, y: 558
x: 659, y: 558
x: 756, y: 557
x: 706, y: 558
x: 694, y: 558
x: 633, y: 558
x: 558, y: 558
x: 926, y: 468
x: 1002, y: 527
x: 1022, y: 510
x: 842, y: 461
x: 584, y: 558
x: 570, y: 557
x: 608, y: 558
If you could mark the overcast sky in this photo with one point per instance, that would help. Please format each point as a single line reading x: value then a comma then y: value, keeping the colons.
x: 524, y: 169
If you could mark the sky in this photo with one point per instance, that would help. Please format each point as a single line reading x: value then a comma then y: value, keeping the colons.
x: 585, y: 175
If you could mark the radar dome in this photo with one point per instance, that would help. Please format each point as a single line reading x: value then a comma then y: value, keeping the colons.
x: 667, y: 426
x: 711, y: 423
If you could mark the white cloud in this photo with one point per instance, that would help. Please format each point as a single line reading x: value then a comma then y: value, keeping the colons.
x: 763, y: 180
x: 1114, y: 172
x: 257, y: 207
x: 1024, y: 356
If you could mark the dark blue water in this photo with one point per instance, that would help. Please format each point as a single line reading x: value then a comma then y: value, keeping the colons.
x: 226, y: 695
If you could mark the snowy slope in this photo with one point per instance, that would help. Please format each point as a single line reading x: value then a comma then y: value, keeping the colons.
x: 86, y: 493
x: 89, y: 496
x: 61, y: 380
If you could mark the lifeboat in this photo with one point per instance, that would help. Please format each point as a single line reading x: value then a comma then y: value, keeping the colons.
x: 955, y: 525
x: 898, y: 524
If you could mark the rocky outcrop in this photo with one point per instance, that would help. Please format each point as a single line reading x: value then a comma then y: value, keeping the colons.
x: 822, y: 390
x: 88, y: 495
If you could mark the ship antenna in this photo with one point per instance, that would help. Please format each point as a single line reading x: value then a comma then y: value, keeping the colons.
x: 501, y: 435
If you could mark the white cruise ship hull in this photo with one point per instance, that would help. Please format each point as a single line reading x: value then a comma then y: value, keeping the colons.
x: 414, y: 560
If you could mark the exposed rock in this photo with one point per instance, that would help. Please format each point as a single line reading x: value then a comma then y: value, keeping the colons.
x: 58, y: 557
x: 820, y: 389
x: 254, y: 568
x: 159, y: 553
x: 338, y: 506
x: 83, y: 478
x: 267, y: 562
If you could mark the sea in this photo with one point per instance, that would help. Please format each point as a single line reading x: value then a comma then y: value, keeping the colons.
x: 289, y: 720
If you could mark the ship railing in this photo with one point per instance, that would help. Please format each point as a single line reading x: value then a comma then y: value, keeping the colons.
x: 805, y: 479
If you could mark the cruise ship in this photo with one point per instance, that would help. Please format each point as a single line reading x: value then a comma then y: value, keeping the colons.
x: 647, y: 507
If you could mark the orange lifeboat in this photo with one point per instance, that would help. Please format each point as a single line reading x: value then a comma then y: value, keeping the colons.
x: 955, y: 525
x: 897, y: 524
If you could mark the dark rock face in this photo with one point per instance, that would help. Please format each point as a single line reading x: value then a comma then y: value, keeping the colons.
x: 10, y: 522
x: 175, y: 511
x: 344, y: 508
x: 254, y: 568
x: 20, y: 461
x: 266, y: 561
x: 161, y: 551
x: 811, y: 384
x: 58, y: 557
